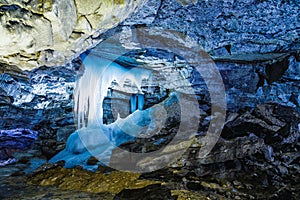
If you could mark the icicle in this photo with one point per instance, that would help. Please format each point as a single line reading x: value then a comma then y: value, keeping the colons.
x: 132, y: 103
x: 92, y: 87
x: 141, y: 101
x: 89, y: 93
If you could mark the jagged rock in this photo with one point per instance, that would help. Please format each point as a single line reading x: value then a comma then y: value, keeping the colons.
x: 145, y: 15
x: 274, y: 123
x: 44, y: 96
x: 55, y: 32
x: 233, y: 26
x: 260, y: 79
x: 12, y: 141
x: 36, y: 33
x: 250, y: 160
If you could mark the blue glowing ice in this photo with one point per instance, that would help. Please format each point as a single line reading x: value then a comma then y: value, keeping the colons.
x: 137, y: 102
x: 93, y: 137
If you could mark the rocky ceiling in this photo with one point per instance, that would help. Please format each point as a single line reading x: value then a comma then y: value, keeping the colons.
x: 36, y: 33
x: 52, y: 32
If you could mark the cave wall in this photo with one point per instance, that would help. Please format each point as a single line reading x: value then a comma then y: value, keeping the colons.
x: 255, y: 45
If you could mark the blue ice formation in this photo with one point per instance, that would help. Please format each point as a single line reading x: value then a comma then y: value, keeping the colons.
x: 137, y: 102
x: 93, y: 137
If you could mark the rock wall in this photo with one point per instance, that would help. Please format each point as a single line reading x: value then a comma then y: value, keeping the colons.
x: 229, y: 28
x: 39, y: 100
x: 255, y: 45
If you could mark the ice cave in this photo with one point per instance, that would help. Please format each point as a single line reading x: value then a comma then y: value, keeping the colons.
x: 149, y: 99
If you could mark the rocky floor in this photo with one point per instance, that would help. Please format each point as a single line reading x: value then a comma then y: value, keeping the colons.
x: 257, y: 157
x: 60, y: 183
